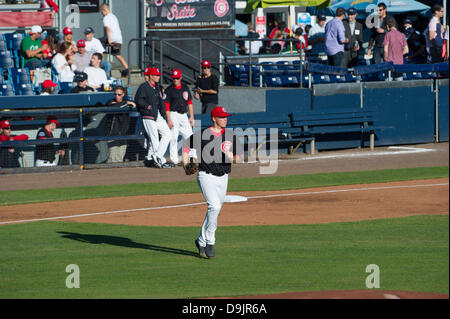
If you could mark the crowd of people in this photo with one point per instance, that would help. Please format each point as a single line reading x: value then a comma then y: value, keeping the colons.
x: 340, y: 40
x: 68, y: 57
x: 166, y: 113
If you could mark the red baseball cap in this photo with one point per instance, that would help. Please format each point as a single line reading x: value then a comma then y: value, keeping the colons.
x: 206, y: 64
x: 176, y: 74
x: 81, y: 43
x: 67, y: 30
x: 219, y: 111
x: 48, y: 83
x: 5, y: 123
x: 151, y: 71
x: 53, y: 119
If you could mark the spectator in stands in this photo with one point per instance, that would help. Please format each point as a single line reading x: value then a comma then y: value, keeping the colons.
x: 299, y: 35
x: 50, y: 4
x: 114, y: 36
x: 279, y: 26
x: 94, y: 45
x: 46, y: 153
x: 416, y: 44
x: 335, y: 39
x: 47, y: 87
x: 63, y: 63
x: 435, y: 34
x: 395, y: 45
x: 252, y: 46
x: 117, y: 124
x: 377, y: 36
x: 32, y: 49
x: 82, y: 83
x: 316, y: 36
x: 96, y: 75
x: 354, y: 33
x: 207, y: 88
x: 277, y: 43
x: 52, y: 48
x: 445, y: 47
x: 8, y: 155
x: 82, y: 58
x: 68, y: 37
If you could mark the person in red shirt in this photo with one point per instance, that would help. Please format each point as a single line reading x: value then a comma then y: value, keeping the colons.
x: 8, y: 155
x: 50, y: 4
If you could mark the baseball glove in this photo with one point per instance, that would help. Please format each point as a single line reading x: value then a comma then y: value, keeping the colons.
x: 190, y: 168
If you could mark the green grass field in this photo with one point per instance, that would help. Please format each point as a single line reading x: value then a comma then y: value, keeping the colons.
x: 118, y: 261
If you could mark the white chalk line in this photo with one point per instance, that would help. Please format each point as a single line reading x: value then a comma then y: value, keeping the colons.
x: 202, y: 203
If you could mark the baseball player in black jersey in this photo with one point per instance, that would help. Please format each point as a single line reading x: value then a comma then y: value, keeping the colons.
x: 178, y: 102
x: 216, y: 149
x: 46, y: 153
x: 149, y: 102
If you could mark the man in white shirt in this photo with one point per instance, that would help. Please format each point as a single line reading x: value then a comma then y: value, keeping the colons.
x: 96, y: 75
x: 252, y: 46
x: 113, y: 36
x: 316, y: 35
x: 94, y: 45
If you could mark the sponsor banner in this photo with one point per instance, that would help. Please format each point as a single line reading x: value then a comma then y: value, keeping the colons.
x: 190, y: 13
x: 86, y: 6
x: 25, y: 19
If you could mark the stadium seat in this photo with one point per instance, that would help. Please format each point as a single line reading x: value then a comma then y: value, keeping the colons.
x: 6, y: 90
x: 337, y: 78
x: 273, y: 81
x: 66, y: 87
x: 20, y: 75
x: 3, y: 45
x: 291, y: 80
x: 6, y: 60
x: 24, y: 89
x: 13, y: 40
x: 321, y: 78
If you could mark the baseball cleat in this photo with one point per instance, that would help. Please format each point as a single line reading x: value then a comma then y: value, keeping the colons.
x: 167, y: 165
x: 210, y: 251
x: 157, y: 160
x: 201, y: 250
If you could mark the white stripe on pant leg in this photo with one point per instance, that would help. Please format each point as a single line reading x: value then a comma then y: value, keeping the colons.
x: 214, y: 189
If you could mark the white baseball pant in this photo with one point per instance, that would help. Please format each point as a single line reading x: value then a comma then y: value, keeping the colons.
x: 180, y: 125
x: 214, y: 189
x: 153, y: 128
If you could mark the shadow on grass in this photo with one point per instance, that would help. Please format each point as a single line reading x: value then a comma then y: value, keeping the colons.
x: 123, y: 242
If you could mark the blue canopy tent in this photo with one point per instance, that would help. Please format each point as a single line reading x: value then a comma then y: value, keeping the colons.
x: 367, y: 7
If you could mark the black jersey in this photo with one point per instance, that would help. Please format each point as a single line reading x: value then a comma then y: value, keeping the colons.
x: 211, y: 148
x: 208, y: 83
x: 45, y: 152
x: 178, y: 98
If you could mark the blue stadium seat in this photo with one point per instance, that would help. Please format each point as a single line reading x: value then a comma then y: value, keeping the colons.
x: 3, y: 45
x: 273, y: 81
x: 6, y: 60
x: 13, y: 40
x: 350, y: 77
x: 20, y: 75
x: 337, y: 78
x: 24, y: 89
x: 291, y: 80
x: 66, y: 87
x: 321, y: 78
x: 6, y: 90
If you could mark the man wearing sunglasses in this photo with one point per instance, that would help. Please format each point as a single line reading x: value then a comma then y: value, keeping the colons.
x: 178, y: 102
x: 207, y: 88
x: 8, y: 155
x: 378, y: 32
x: 117, y: 125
